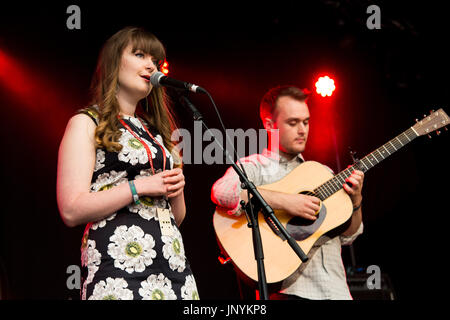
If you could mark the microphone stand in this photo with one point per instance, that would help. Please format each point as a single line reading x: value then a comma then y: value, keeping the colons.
x: 255, y: 204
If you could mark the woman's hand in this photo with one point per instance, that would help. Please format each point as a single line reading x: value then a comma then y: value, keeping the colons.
x: 168, y: 183
x: 174, y: 180
x: 152, y: 186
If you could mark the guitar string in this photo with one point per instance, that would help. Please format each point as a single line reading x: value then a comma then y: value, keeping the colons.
x: 335, y: 184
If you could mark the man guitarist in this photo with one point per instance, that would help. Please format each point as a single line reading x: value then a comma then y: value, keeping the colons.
x: 323, y: 276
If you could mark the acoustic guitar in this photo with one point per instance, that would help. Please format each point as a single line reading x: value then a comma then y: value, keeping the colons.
x: 312, y: 178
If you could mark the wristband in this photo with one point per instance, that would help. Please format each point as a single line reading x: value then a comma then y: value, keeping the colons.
x: 357, y: 208
x: 133, y: 192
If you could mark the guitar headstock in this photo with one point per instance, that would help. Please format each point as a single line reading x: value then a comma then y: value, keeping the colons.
x: 436, y: 120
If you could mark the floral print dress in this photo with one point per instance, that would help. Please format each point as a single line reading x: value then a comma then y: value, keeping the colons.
x: 125, y: 256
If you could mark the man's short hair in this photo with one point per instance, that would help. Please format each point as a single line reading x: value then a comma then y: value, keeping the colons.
x: 269, y: 100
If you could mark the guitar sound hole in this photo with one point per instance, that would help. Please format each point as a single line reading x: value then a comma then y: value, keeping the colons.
x: 300, y: 222
x: 309, y: 193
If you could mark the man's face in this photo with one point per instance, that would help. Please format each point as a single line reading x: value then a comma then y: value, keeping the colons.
x: 291, y: 118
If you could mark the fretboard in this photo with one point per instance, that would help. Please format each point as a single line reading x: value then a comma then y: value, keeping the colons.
x: 335, y: 184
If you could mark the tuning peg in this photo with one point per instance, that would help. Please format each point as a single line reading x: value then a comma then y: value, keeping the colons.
x: 429, y: 136
x: 353, y: 155
x: 438, y: 132
x: 431, y: 111
x: 446, y: 129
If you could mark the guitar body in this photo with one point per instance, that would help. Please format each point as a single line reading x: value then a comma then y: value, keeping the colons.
x: 280, y: 260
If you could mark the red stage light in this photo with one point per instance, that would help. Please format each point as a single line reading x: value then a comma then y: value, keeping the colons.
x: 325, y: 86
x: 15, y: 78
x: 40, y: 98
x: 165, y: 68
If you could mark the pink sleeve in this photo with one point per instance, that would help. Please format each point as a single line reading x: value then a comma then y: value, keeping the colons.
x: 226, y: 192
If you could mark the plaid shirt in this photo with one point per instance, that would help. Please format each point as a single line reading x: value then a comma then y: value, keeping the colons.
x: 324, y: 276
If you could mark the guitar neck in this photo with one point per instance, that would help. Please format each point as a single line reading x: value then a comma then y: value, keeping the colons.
x: 365, y: 164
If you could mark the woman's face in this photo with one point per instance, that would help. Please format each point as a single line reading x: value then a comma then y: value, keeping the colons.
x: 134, y: 73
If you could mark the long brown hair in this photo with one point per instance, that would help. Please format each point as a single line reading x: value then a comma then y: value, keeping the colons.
x: 154, y: 108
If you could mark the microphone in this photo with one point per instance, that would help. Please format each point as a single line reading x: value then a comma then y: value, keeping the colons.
x: 159, y: 79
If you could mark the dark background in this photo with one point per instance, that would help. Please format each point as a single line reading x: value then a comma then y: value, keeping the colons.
x: 237, y: 50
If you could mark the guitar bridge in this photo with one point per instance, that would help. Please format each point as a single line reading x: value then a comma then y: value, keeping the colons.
x: 274, y: 228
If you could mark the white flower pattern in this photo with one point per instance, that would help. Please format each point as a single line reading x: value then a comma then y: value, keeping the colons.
x: 133, y: 151
x: 99, y: 160
x: 106, y: 180
x: 189, y: 289
x: 131, y: 249
x: 90, y: 258
x: 157, y: 287
x: 112, y: 289
x: 102, y: 223
x: 173, y: 251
